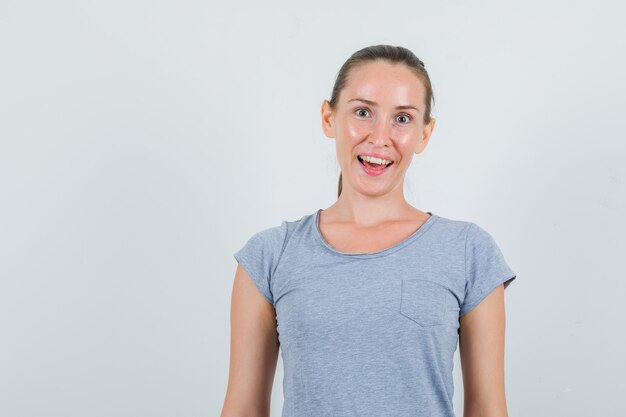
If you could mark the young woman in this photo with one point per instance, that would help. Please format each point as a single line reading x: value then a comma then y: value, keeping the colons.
x: 367, y: 298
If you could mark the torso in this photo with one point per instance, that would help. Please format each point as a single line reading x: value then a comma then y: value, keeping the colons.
x: 371, y: 333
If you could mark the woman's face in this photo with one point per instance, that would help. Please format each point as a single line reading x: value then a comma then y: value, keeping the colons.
x: 380, y: 111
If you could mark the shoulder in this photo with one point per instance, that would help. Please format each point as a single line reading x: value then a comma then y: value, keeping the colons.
x: 467, y: 228
x: 464, y: 234
x: 452, y: 228
x: 477, y: 237
x: 270, y: 238
x: 482, y: 250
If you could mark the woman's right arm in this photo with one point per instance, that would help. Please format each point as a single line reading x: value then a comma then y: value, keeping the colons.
x: 253, y: 350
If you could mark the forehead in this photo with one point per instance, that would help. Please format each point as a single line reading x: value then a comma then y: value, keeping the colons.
x: 384, y: 82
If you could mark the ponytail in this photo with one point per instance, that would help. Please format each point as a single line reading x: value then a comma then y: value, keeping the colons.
x: 339, y: 186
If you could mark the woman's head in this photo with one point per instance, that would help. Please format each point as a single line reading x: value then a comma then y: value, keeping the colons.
x: 381, y: 104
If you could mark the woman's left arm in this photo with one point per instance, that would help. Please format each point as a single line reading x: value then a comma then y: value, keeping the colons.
x: 481, y: 348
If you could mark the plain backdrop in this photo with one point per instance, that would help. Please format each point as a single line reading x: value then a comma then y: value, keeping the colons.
x: 143, y: 142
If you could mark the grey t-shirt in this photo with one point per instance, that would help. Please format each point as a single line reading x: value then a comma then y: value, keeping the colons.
x: 372, y: 334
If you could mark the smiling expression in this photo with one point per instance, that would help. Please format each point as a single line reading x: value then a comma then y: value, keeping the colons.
x: 379, y: 112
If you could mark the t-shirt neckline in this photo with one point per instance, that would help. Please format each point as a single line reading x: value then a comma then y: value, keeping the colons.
x: 415, y: 235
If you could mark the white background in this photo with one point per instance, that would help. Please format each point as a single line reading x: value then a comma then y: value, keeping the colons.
x: 143, y: 142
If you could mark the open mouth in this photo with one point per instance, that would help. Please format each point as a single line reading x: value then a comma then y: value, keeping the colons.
x: 374, y: 167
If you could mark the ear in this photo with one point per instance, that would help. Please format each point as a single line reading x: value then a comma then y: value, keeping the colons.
x: 428, y: 130
x: 327, y: 120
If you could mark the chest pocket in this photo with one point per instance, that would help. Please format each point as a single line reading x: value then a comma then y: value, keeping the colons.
x: 423, y: 301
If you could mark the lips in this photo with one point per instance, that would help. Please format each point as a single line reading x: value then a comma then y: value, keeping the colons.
x: 373, y: 169
x: 377, y: 155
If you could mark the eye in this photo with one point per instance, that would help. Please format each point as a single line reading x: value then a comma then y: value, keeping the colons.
x: 362, y: 112
x: 403, y: 118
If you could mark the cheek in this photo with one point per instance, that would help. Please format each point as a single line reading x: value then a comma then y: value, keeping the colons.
x: 406, y: 138
x: 355, y: 129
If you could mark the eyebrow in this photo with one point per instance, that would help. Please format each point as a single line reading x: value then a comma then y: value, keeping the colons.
x: 374, y: 104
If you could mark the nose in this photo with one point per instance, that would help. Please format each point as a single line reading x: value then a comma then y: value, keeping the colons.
x: 381, y: 132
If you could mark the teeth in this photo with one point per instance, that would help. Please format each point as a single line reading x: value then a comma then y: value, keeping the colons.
x: 374, y: 160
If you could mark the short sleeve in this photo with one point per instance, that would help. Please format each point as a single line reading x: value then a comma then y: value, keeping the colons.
x: 260, y: 255
x: 485, y: 267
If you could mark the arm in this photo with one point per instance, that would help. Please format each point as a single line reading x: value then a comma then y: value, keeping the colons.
x: 481, y: 348
x: 253, y: 351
